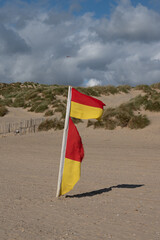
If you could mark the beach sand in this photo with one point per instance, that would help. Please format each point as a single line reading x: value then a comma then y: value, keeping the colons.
x: 116, y: 198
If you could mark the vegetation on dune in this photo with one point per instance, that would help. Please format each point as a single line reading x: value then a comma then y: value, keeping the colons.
x: 144, y: 88
x: 52, y: 99
x: 153, y: 103
x: 124, y: 88
x: 56, y: 103
x: 19, y: 102
x: 6, y: 102
x: 62, y: 109
x: 98, y: 91
x: 51, y: 124
x: 63, y: 91
x: 125, y: 120
x: 150, y: 102
x: 156, y: 85
x: 56, y: 124
x: 76, y: 120
x: 137, y: 122
x: 49, y: 113
x: 33, y: 96
x: 41, y: 107
x: 123, y: 116
x: 153, y: 106
x: 3, y: 111
x: 90, y: 91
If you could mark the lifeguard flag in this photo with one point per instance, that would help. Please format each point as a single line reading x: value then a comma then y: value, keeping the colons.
x: 73, y: 158
x: 85, y: 107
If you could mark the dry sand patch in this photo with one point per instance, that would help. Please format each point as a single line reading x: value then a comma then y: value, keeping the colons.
x: 19, y: 114
x: 117, y: 196
x: 114, y: 100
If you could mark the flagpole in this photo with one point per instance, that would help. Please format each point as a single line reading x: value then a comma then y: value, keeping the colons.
x: 64, y: 141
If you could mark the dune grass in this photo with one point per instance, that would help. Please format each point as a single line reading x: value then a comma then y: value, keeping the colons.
x: 6, y: 102
x: 51, y: 124
x: 137, y: 122
x: 98, y: 91
x: 76, y: 120
x: 49, y: 113
x: 143, y: 87
x: 3, y: 111
x: 41, y: 107
x: 153, y: 106
x: 123, y: 116
x: 156, y: 85
x: 47, y: 99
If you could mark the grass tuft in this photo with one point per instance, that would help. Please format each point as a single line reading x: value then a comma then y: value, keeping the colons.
x: 3, y: 111
x: 153, y: 106
x: 41, y: 108
x: 140, y: 121
x: 144, y: 88
x: 51, y: 124
x: 76, y: 120
x: 90, y: 123
x: 49, y: 113
x: 19, y: 102
x: 124, y: 88
x: 156, y: 85
x: 62, y: 109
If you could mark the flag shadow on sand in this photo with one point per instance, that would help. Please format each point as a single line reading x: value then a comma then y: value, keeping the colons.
x: 103, y: 190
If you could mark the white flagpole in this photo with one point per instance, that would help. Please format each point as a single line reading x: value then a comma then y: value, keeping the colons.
x: 64, y: 141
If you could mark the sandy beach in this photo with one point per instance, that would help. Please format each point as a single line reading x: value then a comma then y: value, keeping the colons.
x: 116, y: 198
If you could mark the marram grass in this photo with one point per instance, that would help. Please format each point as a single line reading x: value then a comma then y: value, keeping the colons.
x: 41, y: 98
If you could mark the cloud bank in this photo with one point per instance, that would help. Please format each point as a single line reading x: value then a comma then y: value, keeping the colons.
x: 53, y: 47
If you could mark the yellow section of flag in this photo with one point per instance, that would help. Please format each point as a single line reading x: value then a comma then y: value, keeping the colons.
x: 82, y: 111
x: 71, y: 175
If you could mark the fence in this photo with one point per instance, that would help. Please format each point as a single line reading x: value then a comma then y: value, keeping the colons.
x: 22, y: 127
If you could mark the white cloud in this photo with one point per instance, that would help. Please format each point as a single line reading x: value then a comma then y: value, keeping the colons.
x: 93, y: 82
x: 124, y: 49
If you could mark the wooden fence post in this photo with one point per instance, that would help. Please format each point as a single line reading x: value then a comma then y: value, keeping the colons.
x: 21, y: 127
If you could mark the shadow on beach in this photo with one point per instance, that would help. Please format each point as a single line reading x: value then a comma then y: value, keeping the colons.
x: 103, y: 190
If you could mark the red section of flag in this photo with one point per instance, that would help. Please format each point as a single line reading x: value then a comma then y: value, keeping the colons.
x: 86, y: 100
x: 74, y: 148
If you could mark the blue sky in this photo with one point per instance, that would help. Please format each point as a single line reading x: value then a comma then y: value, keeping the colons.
x: 109, y: 42
x: 99, y: 7
x: 105, y: 7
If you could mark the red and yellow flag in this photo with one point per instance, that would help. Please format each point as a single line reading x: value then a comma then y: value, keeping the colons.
x: 85, y: 107
x: 73, y: 158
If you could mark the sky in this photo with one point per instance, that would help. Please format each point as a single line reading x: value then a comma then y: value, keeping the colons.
x: 80, y: 42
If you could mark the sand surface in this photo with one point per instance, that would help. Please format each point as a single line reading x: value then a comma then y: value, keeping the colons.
x: 116, y: 198
x: 19, y: 114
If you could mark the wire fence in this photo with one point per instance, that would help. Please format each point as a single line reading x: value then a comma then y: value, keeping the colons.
x: 22, y: 127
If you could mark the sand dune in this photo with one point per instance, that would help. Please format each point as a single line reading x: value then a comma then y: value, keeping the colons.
x: 116, y: 198
x: 19, y: 114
